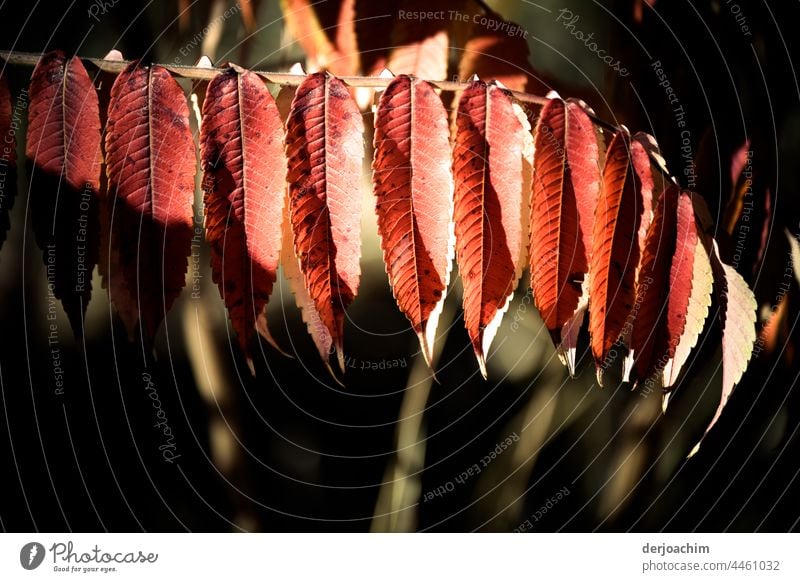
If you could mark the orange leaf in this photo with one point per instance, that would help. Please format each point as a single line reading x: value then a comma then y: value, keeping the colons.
x: 487, y: 166
x: 414, y: 191
x: 241, y: 141
x: 324, y: 150
x: 566, y: 185
x: 326, y: 31
x: 150, y: 162
x: 622, y: 208
x: 63, y: 143
x: 421, y: 46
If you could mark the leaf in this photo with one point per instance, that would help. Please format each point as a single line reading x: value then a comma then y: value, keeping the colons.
x: 104, y: 81
x: 150, y: 162
x: 8, y: 157
x: 420, y: 45
x: 702, y: 285
x: 241, y: 141
x: 696, y: 314
x: 324, y: 150
x: 737, y: 313
x: 673, y: 291
x: 644, y: 152
x: 794, y: 253
x: 373, y: 24
x: 414, y: 201
x: 739, y: 188
x: 63, y: 144
x: 290, y: 264
x: 497, y: 50
x: 487, y: 165
x: 566, y: 186
x: 326, y: 31
x: 621, y: 209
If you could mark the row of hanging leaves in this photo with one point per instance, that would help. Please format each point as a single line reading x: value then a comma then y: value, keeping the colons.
x: 608, y: 231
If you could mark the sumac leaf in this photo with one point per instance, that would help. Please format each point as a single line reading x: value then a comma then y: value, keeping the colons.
x: 241, y: 142
x: 737, y: 315
x: 702, y: 283
x: 487, y: 167
x: 324, y: 151
x: 150, y: 163
x: 290, y: 264
x: 566, y: 186
x: 673, y: 290
x: 621, y: 209
x: 8, y: 156
x: 63, y: 145
x: 414, y: 201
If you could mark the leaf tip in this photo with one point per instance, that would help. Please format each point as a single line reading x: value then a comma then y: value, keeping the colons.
x: 482, y: 364
x: 297, y: 69
x: 567, y: 357
x: 113, y: 55
x: 263, y: 331
x: 205, y: 63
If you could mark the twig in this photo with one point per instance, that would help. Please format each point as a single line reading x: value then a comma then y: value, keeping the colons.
x: 208, y: 73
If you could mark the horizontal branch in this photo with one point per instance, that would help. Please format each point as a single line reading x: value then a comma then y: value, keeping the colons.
x: 208, y: 73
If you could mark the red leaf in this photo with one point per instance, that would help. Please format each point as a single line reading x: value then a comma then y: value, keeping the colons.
x: 290, y: 264
x: 414, y: 190
x: 566, y: 185
x: 8, y: 157
x: 487, y: 166
x: 241, y: 140
x: 150, y: 162
x: 324, y: 150
x: 621, y: 210
x: 63, y: 143
x: 665, y: 289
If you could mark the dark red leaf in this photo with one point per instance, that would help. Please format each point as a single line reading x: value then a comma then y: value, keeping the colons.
x: 150, y: 162
x: 63, y: 144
